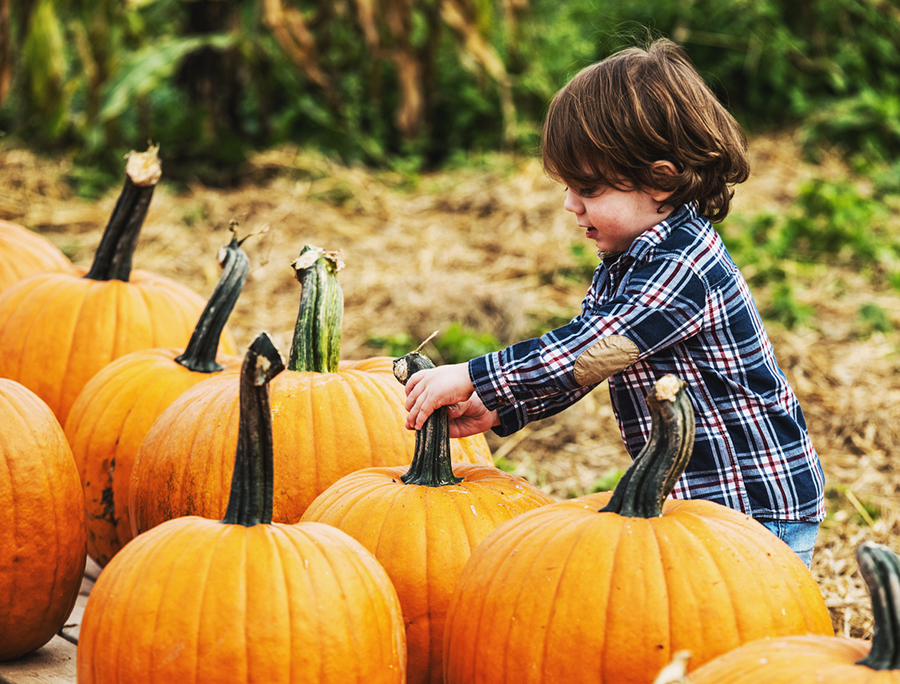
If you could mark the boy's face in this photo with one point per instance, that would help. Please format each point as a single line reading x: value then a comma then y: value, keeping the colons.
x: 614, y: 218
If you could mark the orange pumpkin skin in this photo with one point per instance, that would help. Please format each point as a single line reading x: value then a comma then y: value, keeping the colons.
x: 244, y: 599
x: 105, y: 428
x: 24, y: 252
x: 57, y: 330
x: 795, y: 660
x: 423, y: 536
x: 42, y: 546
x: 325, y: 425
x: 821, y: 659
x: 201, y: 601
x: 630, y: 592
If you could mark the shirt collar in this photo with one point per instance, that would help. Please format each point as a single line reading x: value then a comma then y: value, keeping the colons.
x: 652, y: 237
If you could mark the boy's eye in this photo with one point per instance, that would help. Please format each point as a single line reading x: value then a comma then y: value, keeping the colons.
x: 588, y: 192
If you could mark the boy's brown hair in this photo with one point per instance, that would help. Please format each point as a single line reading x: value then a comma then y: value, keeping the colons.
x: 617, y: 117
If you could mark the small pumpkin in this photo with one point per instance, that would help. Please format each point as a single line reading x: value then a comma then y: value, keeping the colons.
x: 58, y: 329
x: 24, y: 252
x: 243, y: 599
x: 330, y: 420
x: 605, y: 589
x: 111, y: 415
x: 813, y: 659
x: 42, y: 546
x: 422, y: 522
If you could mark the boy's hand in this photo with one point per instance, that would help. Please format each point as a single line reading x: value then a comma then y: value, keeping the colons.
x: 428, y: 390
x: 471, y: 417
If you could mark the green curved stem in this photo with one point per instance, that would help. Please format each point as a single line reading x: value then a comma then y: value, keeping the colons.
x: 200, y: 353
x: 316, y: 345
x: 252, y: 484
x: 431, y: 465
x: 653, y: 473
x: 112, y: 260
x: 880, y: 568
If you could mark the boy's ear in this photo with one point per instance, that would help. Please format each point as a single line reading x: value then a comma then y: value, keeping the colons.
x: 661, y: 170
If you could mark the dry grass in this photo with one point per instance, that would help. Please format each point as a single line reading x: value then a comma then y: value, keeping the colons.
x: 485, y: 247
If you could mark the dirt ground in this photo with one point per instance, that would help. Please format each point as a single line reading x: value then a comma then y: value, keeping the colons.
x: 489, y: 247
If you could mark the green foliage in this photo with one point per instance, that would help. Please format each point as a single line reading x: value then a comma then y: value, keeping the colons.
x: 505, y: 464
x: 457, y: 345
x: 841, y: 505
x: 608, y: 480
x: 839, y: 222
x: 393, y: 345
x: 104, y: 77
x: 873, y: 319
x: 460, y: 344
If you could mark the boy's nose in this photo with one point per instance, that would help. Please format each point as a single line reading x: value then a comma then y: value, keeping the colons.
x: 573, y: 202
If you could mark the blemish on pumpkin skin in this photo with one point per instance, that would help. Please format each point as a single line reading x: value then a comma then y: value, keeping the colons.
x: 109, y: 506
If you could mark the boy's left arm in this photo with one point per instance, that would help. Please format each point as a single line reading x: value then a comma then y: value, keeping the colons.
x: 663, y: 304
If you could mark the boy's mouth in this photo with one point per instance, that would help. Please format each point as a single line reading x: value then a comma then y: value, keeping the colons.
x: 590, y: 232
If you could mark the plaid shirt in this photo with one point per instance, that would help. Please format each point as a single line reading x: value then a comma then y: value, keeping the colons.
x: 677, y: 295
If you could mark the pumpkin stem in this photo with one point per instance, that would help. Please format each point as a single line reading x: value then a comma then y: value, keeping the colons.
x: 653, y: 473
x: 880, y: 568
x: 200, y: 353
x: 317, y: 334
x: 252, y: 484
x: 112, y: 261
x: 431, y: 464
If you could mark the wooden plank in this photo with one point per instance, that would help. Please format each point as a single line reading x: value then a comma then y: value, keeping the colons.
x: 54, y: 663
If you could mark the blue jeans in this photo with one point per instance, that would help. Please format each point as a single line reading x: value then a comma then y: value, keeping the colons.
x: 800, y: 536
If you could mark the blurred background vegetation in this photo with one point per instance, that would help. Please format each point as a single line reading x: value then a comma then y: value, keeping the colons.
x: 420, y: 85
x: 415, y: 84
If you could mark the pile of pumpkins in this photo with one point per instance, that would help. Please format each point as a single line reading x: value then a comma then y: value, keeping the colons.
x: 271, y: 521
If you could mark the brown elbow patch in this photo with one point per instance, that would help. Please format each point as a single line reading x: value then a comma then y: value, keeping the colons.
x: 604, y: 358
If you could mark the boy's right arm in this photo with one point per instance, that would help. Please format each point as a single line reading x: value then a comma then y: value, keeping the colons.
x: 428, y: 390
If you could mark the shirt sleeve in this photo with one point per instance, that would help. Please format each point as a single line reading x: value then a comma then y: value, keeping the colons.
x: 659, y: 304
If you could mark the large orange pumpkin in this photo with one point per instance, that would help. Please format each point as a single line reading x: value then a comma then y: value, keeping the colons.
x: 112, y: 414
x: 329, y: 420
x: 586, y: 593
x: 812, y: 659
x: 58, y: 329
x: 24, y: 252
x: 42, y: 550
x: 199, y: 601
x: 422, y: 522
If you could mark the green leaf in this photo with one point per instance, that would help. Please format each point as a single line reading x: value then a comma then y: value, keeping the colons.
x: 145, y: 69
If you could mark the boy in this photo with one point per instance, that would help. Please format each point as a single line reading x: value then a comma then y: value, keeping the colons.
x: 649, y: 156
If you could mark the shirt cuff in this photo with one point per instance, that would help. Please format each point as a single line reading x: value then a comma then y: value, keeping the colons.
x: 486, y: 376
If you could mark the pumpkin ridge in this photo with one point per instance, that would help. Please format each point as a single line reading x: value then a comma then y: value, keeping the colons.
x: 350, y: 390
x: 795, y: 587
x: 69, y: 377
x: 173, y: 575
x: 145, y: 299
x: 680, y: 524
x: 21, y: 414
x: 607, y: 600
x: 281, y: 543
x: 45, y: 302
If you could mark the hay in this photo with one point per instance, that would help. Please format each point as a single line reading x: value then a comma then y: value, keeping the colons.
x: 488, y: 247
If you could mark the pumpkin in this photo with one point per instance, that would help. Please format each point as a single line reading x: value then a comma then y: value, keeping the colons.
x: 24, y: 252
x: 605, y: 589
x: 812, y: 659
x: 329, y: 420
x: 243, y: 599
x: 42, y: 548
x: 58, y: 329
x: 111, y: 415
x: 422, y: 522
